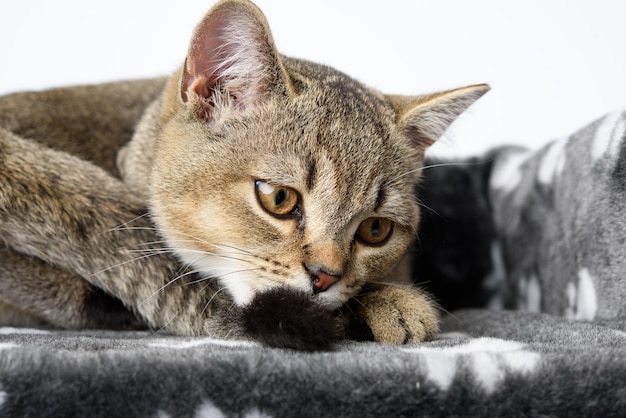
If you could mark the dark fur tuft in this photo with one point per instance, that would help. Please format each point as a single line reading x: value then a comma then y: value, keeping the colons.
x: 286, y: 318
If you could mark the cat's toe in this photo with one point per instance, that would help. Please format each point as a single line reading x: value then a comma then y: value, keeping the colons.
x: 396, y: 315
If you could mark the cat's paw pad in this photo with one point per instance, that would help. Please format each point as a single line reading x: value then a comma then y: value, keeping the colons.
x: 395, y: 315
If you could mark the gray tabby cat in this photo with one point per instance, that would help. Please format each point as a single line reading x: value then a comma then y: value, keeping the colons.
x: 278, y: 190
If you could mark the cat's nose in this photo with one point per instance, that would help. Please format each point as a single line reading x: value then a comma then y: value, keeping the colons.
x: 321, y: 279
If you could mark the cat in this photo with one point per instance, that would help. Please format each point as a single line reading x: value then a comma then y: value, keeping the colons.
x: 248, y: 194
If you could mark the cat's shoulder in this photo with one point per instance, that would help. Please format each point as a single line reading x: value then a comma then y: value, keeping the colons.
x: 89, y: 121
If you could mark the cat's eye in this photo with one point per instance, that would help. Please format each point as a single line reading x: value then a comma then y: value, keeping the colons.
x: 277, y: 200
x: 374, y: 231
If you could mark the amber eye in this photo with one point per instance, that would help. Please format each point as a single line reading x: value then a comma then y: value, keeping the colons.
x: 277, y: 200
x: 374, y: 231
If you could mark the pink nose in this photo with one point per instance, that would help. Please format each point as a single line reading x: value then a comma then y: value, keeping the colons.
x: 322, y: 281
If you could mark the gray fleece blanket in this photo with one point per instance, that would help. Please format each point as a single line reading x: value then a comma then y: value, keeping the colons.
x: 528, y: 248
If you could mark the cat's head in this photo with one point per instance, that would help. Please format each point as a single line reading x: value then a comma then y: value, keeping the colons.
x: 272, y: 172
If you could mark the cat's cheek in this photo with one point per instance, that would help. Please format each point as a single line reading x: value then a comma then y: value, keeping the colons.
x: 377, y: 263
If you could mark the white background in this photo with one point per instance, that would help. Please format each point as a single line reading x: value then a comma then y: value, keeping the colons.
x: 553, y: 65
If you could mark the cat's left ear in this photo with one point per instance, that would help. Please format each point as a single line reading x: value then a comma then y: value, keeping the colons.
x: 425, y: 118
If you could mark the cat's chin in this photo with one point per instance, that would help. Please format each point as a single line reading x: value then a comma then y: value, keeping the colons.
x: 287, y: 318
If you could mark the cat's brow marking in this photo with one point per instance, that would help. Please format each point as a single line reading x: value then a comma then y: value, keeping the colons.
x: 311, y: 174
x: 380, y: 199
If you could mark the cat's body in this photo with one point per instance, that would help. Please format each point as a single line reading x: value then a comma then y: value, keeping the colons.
x: 261, y: 172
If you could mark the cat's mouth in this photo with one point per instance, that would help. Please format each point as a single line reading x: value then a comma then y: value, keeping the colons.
x: 322, y: 288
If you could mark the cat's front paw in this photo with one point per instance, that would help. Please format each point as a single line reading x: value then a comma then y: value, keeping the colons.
x: 394, y: 315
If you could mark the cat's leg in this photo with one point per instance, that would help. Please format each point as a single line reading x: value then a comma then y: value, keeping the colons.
x: 67, y: 212
x: 12, y: 316
x: 395, y: 312
x: 34, y: 293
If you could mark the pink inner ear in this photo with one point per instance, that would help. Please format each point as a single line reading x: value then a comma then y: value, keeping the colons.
x: 206, y: 57
x: 200, y: 85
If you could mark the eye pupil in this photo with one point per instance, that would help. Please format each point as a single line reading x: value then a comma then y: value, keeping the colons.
x: 280, y: 197
x: 375, y: 227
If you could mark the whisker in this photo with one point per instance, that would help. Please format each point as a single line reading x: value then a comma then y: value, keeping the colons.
x: 458, y: 163
x: 428, y: 208
x: 163, y: 242
x: 356, y: 299
x: 122, y: 264
x: 175, y: 250
x: 201, y: 279
x: 393, y: 284
x: 206, y: 306
x: 193, y: 238
x: 419, y: 243
x: 230, y: 308
x: 122, y: 226
x: 348, y: 307
x: 228, y: 334
x: 164, y: 326
x: 156, y: 250
x: 159, y: 290
x: 166, y: 250
x: 421, y: 284
x: 447, y: 312
x: 151, y: 254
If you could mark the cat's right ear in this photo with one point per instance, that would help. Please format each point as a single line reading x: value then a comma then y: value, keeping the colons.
x: 232, y: 60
